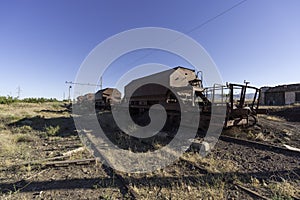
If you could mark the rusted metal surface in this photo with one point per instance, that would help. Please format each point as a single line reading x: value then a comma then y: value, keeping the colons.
x: 86, y: 97
x: 102, y: 99
x: 184, y: 85
x: 242, y: 107
x: 106, y: 97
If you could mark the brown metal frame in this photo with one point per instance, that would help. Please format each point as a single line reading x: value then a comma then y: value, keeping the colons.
x: 240, y: 113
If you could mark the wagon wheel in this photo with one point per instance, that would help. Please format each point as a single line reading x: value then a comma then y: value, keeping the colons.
x: 252, y: 120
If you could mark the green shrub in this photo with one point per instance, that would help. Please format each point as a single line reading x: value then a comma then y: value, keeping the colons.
x: 52, y: 130
x: 7, y: 100
x: 23, y: 138
x: 10, y: 100
x: 24, y: 129
x: 39, y: 100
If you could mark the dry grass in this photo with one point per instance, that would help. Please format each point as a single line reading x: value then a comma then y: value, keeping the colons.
x: 18, y: 138
x: 284, y: 190
x: 15, y: 149
x: 213, y: 165
x: 278, y: 190
x: 274, y: 118
x: 16, y: 111
x: 174, y: 184
x: 17, y: 142
x: 183, y: 191
x: 7, y: 145
x: 78, y: 153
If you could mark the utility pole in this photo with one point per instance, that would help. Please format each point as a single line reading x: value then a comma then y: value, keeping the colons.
x: 19, y: 92
x: 70, y: 93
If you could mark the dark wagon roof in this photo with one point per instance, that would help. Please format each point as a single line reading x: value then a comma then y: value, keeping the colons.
x: 284, y: 88
x: 108, y: 91
x: 160, y: 75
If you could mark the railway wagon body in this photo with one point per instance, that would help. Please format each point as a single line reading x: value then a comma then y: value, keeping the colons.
x: 167, y: 88
x: 106, y: 97
x: 184, y: 83
x: 162, y: 88
x: 89, y: 97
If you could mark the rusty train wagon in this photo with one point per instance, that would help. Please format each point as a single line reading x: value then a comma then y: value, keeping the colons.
x: 107, y: 97
x: 144, y: 92
x: 160, y: 88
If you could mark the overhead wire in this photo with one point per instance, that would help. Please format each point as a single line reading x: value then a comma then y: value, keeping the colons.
x: 196, y: 27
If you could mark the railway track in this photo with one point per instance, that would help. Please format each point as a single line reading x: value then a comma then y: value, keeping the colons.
x: 123, y: 182
x: 260, y: 145
x: 60, y: 162
x: 125, y: 185
x: 112, y: 173
x: 63, y: 148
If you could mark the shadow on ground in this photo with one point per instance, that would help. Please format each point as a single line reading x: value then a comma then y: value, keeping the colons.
x: 65, y: 124
x: 166, y: 182
x: 289, y: 114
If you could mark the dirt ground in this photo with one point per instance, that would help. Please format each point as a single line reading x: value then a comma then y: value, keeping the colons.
x: 35, y: 132
x: 281, y: 126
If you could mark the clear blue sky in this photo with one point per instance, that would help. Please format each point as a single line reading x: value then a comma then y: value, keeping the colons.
x: 43, y: 43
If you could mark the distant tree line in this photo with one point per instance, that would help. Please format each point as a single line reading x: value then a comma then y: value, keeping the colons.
x: 10, y: 100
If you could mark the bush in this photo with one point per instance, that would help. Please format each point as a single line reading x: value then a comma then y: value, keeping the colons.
x: 52, y: 130
x: 39, y: 100
x: 7, y: 100
x: 23, y: 138
x: 24, y: 129
x: 10, y: 100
